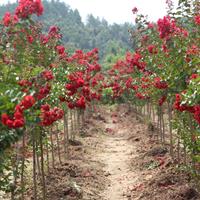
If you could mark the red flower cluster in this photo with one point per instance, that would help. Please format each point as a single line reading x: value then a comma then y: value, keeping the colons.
x: 16, y: 122
x: 43, y: 91
x: 47, y: 75
x: 134, y: 10
x: 53, y: 33
x: 48, y: 116
x: 27, y: 102
x: 160, y: 84
x: 18, y: 119
x: 117, y: 90
x: 140, y: 95
x: 24, y: 83
x: 182, y: 107
x: 30, y: 39
x: 194, y: 76
x: 150, y: 25
x: 29, y: 7
x: 166, y: 26
x: 9, y: 19
x: 136, y: 59
x: 60, y: 49
x: 129, y: 82
x: 80, y: 103
x: 197, y: 19
x: 152, y: 49
x: 76, y: 81
x: 197, y: 113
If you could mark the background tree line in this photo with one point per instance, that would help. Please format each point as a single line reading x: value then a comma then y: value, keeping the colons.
x: 112, y: 40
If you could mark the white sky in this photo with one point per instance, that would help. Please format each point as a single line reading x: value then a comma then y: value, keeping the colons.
x: 117, y: 11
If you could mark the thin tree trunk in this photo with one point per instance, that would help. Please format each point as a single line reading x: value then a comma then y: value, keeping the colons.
x: 42, y: 168
x: 58, y: 145
x: 23, y: 167
x: 34, y: 167
x: 52, y: 149
x: 47, y: 158
x: 170, y: 129
x: 38, y: 160
x: 72, y: 125
x: 163, y: 125
x: 178, y: 150
x: 66, y: 133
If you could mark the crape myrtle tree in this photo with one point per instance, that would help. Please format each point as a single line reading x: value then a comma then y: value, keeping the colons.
x: 162, y: 78
x: 39, y: 83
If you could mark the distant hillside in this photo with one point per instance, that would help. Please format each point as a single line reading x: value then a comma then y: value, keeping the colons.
x: 95, y: 33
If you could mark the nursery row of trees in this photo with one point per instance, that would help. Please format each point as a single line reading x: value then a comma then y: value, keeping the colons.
x: 39, y: 82
x: 162, y: 79
x: 45, y: 87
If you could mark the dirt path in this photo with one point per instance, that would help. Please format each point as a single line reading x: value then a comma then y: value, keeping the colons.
x: 116, y: 153
x: 116, y: 156
x: 135, y: 167
x: 117, y: 160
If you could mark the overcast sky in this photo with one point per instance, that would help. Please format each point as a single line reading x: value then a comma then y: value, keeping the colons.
x: 117, y: 11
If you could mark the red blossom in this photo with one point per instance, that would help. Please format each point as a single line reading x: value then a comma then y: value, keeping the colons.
x: 49, y: 116
x: 4, y: 118
x: 60, y: 49
x: 140, y: 95
x: 80, y: 103
x: 150, y: 25
x: 29, y: 7
x: 158, y: 83
x: 47, y: 75
x: 194, y: 76
x: 71, y: 105
x: 16, y: 122
x: 197, y: 19
x: 166, y: 26
x: 182, y: 107
x: 197, y: 113
x: 43, y: 92
x: 152, y: 49
x: 134, y: 10
x: 27, y: 102
x: 9, y: 19
x: 30, y: 39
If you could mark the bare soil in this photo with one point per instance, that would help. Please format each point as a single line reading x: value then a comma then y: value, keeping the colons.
x: 117, y: 159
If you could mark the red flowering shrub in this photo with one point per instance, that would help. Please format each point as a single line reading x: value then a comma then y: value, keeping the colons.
x: 166, y: 26
x: 29, y: 7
